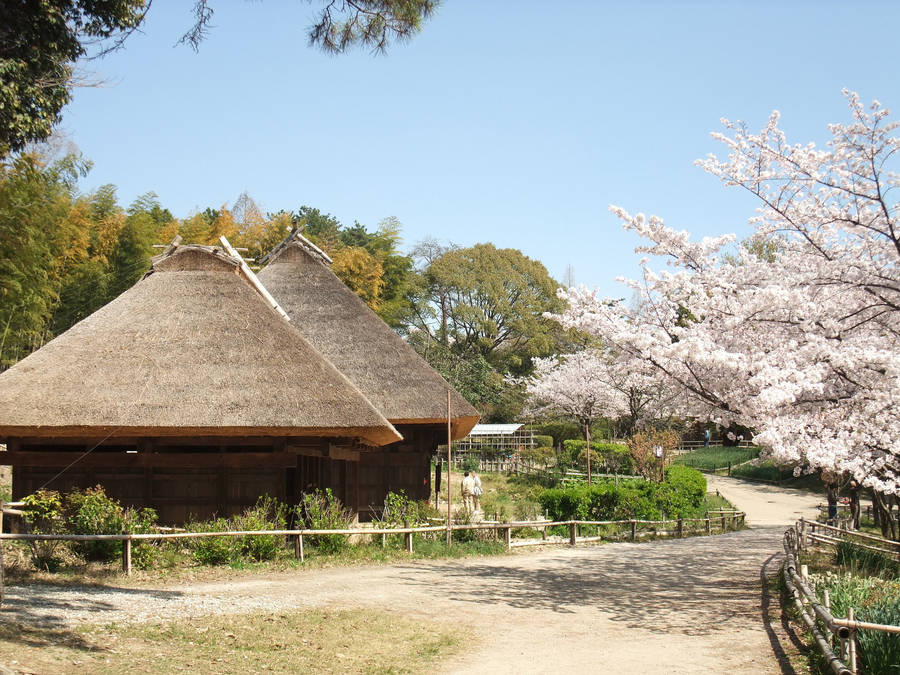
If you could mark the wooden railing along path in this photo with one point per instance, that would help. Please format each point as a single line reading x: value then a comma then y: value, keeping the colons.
x: 825, y: 627
x: 714, y: 521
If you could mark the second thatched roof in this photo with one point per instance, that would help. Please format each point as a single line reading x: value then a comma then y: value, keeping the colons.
x: 190, y: 349
x: 398, y: 381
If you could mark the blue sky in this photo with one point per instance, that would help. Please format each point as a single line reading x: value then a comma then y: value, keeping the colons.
x: 516, y: 122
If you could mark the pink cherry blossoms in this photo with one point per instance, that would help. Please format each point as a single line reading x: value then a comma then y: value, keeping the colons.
x: 796, y: 333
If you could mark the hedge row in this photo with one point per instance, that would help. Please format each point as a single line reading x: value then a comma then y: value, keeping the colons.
x: 680, y: 495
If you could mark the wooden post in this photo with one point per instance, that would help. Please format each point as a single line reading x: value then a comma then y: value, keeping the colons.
x: 507, y: 533
x: 708, y: 524
x: 680, y: 527
x: 126, y: 557
x: 852, y: 641
x: 297, y: 547
x: 449, y: 477
x: 383, y: 540
x: 300, y: 543
x: 409, y: 542
x: 573, y: 533
x: 724, y: 525
x: 633, y: 530
x: 544, y: 533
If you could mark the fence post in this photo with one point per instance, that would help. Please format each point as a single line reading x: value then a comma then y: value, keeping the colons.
x: 544, y: 533
x: 507, y: 533
x: 633, y: 530
x: 680, y: 527
x: 300, y: 547
x: 708, y: 524
x: 724, y: 525
x: 573, y: 533
x: 383, y: 540
x: 852, y: 640
x: 409, y: 542
x: 126, y: 556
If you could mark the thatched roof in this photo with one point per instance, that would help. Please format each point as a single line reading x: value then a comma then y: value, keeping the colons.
x: 340, y: 325
x: 191, y: 349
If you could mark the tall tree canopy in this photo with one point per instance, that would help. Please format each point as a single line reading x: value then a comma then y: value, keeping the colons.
x: 491, y: 301
x: 41, y: 43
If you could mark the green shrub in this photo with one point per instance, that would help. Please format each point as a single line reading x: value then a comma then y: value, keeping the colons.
x: 267, y: 514
x: 605, y: 457
x: 470, y: 464
x: 321, y: 510
x: 683, y: 491
x: 43, y: 514
x: 602, y: 501
x: 92, y: 511
x: 543, y: 441
x: 212, y: 550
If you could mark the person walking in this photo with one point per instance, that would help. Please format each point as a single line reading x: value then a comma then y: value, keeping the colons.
x: 468, y: 492
x: 853, y: 499
x: 706, y: 436
x: 832, y: 504
x: 476, y: 492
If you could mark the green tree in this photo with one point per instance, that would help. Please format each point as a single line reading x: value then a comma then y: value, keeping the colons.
x: 130, y: 259
x: 35, y: 202
x: 491, y: 301
x: 40, y: 43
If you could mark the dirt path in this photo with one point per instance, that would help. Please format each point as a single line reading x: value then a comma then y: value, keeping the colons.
x: 680, y: 606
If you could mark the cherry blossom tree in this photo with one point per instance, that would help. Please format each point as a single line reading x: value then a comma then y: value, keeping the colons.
x: 797, y: 333
x: 576, y: 386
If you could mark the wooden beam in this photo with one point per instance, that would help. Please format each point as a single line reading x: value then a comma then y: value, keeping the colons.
x: 180, y: 460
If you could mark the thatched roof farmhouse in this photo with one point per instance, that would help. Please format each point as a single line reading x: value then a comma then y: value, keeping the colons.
x: 192, y: 395
x: 408, y: 392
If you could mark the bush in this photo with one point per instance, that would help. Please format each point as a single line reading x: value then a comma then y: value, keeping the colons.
x: 267, y: 514
x: 212, y: 550
x: 321, y: 510
x: 602, y: 501
x: 683, y: 491
x: 470, y: 464
x: 43, y: 514
x: 605, y: 457
x: 542, y: 441
x: 681, y: 495
x: 92, y: 511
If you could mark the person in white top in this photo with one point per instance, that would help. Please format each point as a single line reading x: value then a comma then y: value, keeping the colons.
x: 476, y: 492
x: 468, y: 492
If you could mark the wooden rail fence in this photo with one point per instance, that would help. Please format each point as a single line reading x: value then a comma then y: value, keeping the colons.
x: 824, y: 627
x: 714, y: 521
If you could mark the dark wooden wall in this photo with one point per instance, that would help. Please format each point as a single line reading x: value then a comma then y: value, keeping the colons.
x: 202, y: 478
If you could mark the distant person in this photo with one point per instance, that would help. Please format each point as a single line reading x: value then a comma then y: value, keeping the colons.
x: 468, y: 492
x: 853, y: 500
x: 438, y: 467
x: 476, y: 492
x: 706, y: 436
x: 832, y: 504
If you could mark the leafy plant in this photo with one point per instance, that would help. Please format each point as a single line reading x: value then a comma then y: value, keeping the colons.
x: 321, y: 510
x: 43, y: 515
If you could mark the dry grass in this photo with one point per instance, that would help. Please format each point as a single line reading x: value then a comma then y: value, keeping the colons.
x: 320, y: 641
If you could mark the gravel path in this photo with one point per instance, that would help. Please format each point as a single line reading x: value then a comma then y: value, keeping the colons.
x: 679, y: 606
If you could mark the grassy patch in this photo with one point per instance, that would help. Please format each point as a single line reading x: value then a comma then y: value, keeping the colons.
x: 320, y: 641
x: 710, y: 459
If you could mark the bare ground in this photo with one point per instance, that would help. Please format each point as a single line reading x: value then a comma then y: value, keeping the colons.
x: 694, y: 605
